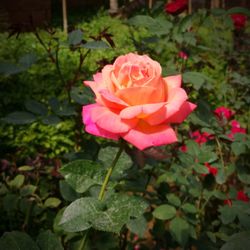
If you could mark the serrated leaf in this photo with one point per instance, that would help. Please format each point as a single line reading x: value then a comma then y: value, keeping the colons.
x: 109, y: 215
x: 238, y: 148
x: 82, y: 95
x: 189, y: 208
x: 164, y: 212
x: 67, y: 192
x: 48, y: 241
x: 19, y: 118
x: 52, y: 202
x: 17, y: 241
x: 36, y: 107
x: 179, y: 229
x: 238, y: 241
x: 138, y: 226
x: 228, y: 214
x: 141, y: 20
x: 96, y: 45
x: 200, y: 168
x: 83, y: 174
x: 75, y: 37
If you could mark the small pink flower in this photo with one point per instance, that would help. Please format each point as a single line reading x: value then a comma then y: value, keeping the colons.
x: 137, y: 247
x: 228, y: 202
x: 235, y: 129
x: 183, y: 55
x: 212, y: 170
x: 241, y: 196
x: 223, y: 113
x: 239, y: 20
x: 201, y: 138
x: 183, y: 148
x: 176, y: 6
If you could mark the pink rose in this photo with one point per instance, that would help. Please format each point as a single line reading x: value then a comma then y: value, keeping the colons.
x: 223, y: 113
x: 176, y: 6
x: 212, y: 170
x: 236, y: 129
x: 183, y: 55
x: 239, y: 20
x: 134, y: 102
x: 201, y: 138
x: 241, y: 196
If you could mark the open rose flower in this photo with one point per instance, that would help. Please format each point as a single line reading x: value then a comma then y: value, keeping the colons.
x: 223, y: 113
x: 239, y: 20
x: 176, y: 6
x: 134, y: 102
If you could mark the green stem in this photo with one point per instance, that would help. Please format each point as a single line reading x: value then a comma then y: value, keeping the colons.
x: 107, y: 177
x: 220, y: 153
x: 102, y: 191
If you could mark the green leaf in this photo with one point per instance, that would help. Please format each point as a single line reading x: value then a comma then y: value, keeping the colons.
x: 174, y: 200
x: 238, y: 148
x: 228, y: 214
x: 220, y: 176
x: 75, y: 37
x: 25, y: 168
x: 106, y: 155
x: 51, y: 120
x: 17, y: 241
x: 82, y: 95
x: 179, y: 229
x: 96, y: 45
x: 17, y: 182
x: 19, y: 118
x: 238, y: 241
x: 189, y: 208
x: 239, y: 10
x: 200, y: 168
x: 195, y: 78
x: 36, y: 107
x: 83, y: 174
x: 244, y: 220
x: 48, y: 241
x: 109, y: 215
x: 27, y: 190
x: 138, y: 226
x: 164, y: 212
x: 67, y: 192
x: 193, y: 148
x: 52, y: 202
x: 141, y: 21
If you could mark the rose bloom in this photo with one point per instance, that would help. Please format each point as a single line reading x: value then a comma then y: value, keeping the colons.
x: 183, y: 55
x: 134, y: 102
x: 176, y: 6
x: 223, y: 112
x: 235, y: 129
x: 212, y: 170
x: 201, y: 138
x: 239, y: 20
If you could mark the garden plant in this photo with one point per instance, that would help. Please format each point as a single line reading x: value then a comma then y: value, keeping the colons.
x: 127, y: 133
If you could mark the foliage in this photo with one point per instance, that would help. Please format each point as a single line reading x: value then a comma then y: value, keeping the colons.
x: 192, y: 194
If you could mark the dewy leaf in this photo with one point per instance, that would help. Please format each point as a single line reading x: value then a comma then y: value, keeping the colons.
x: 179, y: 229
x: 80, y: 214
x: 17, y: 241
x: 75, y: 37
x: 109, y: 215
x: 138, y: 226
x: 164, y: 212
x: 238, y: 241
x: 120, y: 209
x: 19, y: 118
x: 48, y: 241
x: 83, y: 174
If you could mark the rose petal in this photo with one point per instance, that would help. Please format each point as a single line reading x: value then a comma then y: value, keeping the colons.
x: 140, y: 110
x: 173, y: 81
x: 109, y: 120
x: 111, y: 101
x: 91, y: 127
x: 182, y: 113
x: 144, y: 135
x: 141, y: 95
